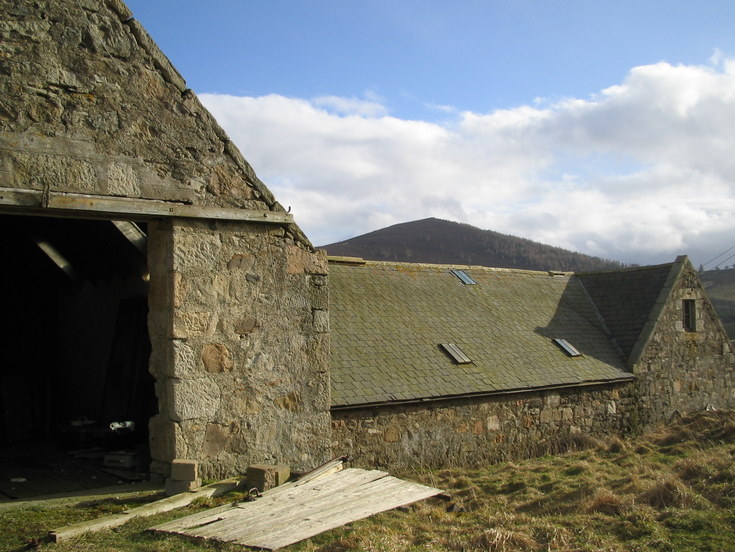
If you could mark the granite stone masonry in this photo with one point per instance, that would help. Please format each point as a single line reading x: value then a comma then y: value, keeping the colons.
x: 233, y: 393
x: 648, y: 347
x: 96, y: 122
x: 91, y: 105
x: 262, y: 353
x: 682, y: 370
x: 470, y: 432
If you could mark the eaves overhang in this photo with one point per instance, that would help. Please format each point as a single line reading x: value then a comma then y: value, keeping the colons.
x: 516, y: 391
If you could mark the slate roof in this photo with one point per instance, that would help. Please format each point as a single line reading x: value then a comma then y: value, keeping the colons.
x: 625, y: 299
x: 388, y: 319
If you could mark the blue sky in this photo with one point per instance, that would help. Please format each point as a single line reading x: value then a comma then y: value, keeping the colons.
x: 603, y: 127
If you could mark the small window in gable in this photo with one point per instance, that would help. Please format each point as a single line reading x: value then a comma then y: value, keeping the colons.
x: 567, y: 347
x: 462, y: 275
x: 455, y: 352
x: 689, y: 308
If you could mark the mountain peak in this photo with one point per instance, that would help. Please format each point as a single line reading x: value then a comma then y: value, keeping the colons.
x: 433, y: 240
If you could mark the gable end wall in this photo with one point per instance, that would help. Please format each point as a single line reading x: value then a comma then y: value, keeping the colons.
x: 680, y: 372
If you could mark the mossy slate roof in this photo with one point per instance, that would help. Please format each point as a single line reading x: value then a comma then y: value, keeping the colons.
x: 626, y: 298
x: 388, y: 319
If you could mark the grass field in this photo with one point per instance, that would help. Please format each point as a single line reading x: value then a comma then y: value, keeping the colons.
x: 672, y: 490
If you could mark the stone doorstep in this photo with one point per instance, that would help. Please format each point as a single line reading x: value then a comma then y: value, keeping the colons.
x: 266, y: 476
x: 184, y: 470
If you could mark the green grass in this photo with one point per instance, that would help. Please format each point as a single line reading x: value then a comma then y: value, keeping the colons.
x: 672, y: 490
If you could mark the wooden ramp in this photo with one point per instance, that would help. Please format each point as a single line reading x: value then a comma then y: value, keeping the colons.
x: 302, y: 509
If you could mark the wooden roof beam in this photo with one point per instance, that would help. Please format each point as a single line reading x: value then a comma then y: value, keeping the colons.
x: 14, y: 200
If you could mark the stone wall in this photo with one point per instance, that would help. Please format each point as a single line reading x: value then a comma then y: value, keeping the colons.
x: 238, y: 311
x: 90, y: 105
x: 678, y: 372
x: 472, y: 431
x: 681, y: 371
x: 239, y: 323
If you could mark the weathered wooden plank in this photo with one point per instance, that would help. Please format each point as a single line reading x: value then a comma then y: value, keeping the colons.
x: 277, y: 497
x: 157, y: 507
x: 332, y: 510
x: 290, y: 507
x: 262, y: 511
x: 272, y: 495
x: 324, y: 470
x: 129, y: 208
x: 273, y: 502
x: 20, y: 198
x: 153, y: 208
x: 195, y: 520
x: 379, y: 498
x: 283, y: 516
x: 288, y: 531
x: 332, y: 518
x: 107, y: 522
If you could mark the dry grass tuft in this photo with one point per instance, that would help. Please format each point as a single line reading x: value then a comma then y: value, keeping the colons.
x: 459, y: 482
x: 615, y: 446
x: 668, y: 491
x: 581, y: 441
x: 713, y: 426
x: 605, y: 502
x: 712, y: 474
x: 502, y: 540
x: 342, y: 544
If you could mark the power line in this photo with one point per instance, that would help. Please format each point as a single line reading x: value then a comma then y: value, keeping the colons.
x: 720, y: 255
x: 723, y: 262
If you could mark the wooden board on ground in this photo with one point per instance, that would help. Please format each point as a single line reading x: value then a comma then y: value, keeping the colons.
x: 157, y: 507
x: 294, y: 512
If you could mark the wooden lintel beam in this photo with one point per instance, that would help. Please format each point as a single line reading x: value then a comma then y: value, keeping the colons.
x: 127, y: 208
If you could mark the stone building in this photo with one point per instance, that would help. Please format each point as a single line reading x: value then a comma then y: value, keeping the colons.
x: 120, y: 195
x: 150, y: 276
x: 434, y: 364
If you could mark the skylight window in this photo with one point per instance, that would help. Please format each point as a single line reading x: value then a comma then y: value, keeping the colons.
x: 568, y: 348
x: 455, y: 352
x: 464, y: 277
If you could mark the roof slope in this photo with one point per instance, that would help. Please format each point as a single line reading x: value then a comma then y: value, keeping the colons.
x: 388, y: 319
x: 90, y: 105
x: 625, y: 299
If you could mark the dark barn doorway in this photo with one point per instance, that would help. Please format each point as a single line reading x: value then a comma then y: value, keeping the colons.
x: 75, y: 391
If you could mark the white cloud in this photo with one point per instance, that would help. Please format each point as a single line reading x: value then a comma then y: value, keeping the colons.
x: 639, y: 172
x: 371, y: 107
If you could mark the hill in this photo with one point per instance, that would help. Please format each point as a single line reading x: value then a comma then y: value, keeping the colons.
x: 439, y: 241
x: 720, y: 286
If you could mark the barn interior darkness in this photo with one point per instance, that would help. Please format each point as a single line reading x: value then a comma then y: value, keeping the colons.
x: 74, y: 344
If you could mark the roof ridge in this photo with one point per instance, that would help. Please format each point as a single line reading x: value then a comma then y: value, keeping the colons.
x: 367, y: 262
x: 627, y: 269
